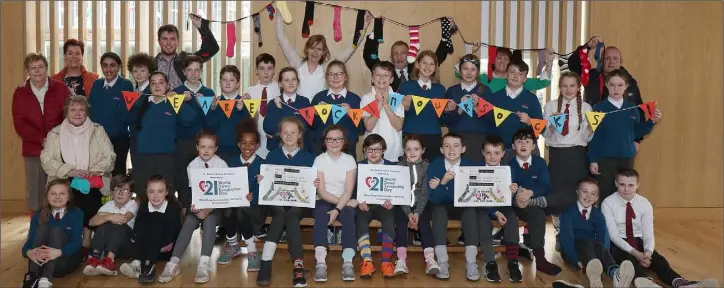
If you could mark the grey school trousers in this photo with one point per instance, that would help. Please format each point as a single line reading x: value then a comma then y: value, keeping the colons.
x: 113, y: 238
x: 35, y: 180
x: 289, y: 218
x: 191, y: 222
x: 54, y: 237
x: 386, y: 217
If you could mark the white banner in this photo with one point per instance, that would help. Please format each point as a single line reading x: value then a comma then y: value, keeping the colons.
x: 219, y: 187
x: 287, y: 186
x: 378, y: 183
x: 482, y: 186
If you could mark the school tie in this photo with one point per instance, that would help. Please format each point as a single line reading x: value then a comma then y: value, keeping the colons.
x: 246, y: 164
x: 630, y: 215
x: 289, y: 102
x: 565, y: 123
x: 526, y: 166
x: 424, y: 87
x: 403, y: 78
x: 336, y: 96
x: 57, y: 216
x: 583, y: 214
x: 289, y: 156
x: 262, y: 109
x: 206, y: 165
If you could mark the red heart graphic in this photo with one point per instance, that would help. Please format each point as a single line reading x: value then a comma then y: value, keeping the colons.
x: 369, y: 180
x: 204, y: 185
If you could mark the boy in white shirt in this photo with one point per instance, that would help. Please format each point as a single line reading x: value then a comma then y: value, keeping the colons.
x: 630, y: 222
x: 267, y: 89
x: 114, y: 228
x: 389, y: 123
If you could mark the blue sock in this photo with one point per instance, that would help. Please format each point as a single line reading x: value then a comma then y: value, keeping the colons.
x: 612, y: 271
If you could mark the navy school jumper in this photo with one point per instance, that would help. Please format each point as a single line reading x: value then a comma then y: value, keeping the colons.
x: 190, y: 133
x: 225, y: 127
x: 274, y: 115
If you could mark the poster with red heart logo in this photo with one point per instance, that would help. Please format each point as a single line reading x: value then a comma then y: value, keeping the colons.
x: 213, y: 188
x: 378, y: 183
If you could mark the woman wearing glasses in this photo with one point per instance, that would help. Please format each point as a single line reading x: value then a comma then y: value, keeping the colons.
x: 338, y: 95
x: 81, y: 151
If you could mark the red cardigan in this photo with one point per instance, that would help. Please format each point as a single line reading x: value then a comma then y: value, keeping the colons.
x: 30, y: 123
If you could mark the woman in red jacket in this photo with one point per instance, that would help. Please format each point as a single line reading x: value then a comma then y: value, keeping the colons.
x: 74, y: 75
x: 37, y: 108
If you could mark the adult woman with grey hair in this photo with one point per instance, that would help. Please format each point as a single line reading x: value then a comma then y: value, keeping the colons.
x: 81, y: 151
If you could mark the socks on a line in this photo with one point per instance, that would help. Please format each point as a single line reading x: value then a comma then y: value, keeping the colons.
x: 271, y: 10
x: 539, y: 202
x: 257, y: 29
x: 379, y: 30
x: 414, y: 44
x: 308, y: 18
x: 337, y: 24
x: 447, y: 29
x: 230, y: 39
x: 251, y: 244
x: 364, y: 247
x: 320, y: 254
x: 441, y: 253
x: 542, y: 264
x: 471, y: 254
x: 358, y: 26
x: 284, y: 10
x: 267, y: 253
x: 387, y: 244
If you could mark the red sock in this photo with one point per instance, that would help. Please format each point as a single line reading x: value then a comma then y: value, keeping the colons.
x: 230, y: 39
x: 511, y: 252
x: 386, y: 248
x: 414, y: 44
x: 542, y: 265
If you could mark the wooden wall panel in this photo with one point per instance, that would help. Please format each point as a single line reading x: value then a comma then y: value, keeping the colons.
x: 466, y: 14
x: 674, y: 50
x: 12, y: 173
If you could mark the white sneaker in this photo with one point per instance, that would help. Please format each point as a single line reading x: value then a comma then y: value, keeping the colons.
x: 400, y: 267
x: 594, y: 269
x: 169, y: 272
x: 202, y: 273
x: 132, y: 270
x: 624, y: 275
x: 89, y: 270
x: 431, y: 267
x: 643, y: 282
x: 44, y: 283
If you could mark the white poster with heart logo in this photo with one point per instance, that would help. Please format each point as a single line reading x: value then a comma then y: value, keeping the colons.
x: 482, y: 186
x: 219, y: 187
x: 379, y: 183
x: 291, y: 186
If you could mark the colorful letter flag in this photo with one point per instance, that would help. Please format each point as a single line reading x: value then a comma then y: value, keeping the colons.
x: 308, y: 114
x: 227, y: 106
x: 372, y: 109
x: 439, y: 105
x: 649, y: 108
x: 323, y: 111
x: 205, y: 103
x: 500, y: 115
x: 419, y: 103
x: 538, y: 125
x: 252, y: 105
x: 176, y: 101
x: 594, y: 119
x: 355, y: 115
x: 558, y: 121
x: 467, y: 106
x: 483, y: 107
x: 130, y: 98
x: 394, y: 99
x: 337, y: 113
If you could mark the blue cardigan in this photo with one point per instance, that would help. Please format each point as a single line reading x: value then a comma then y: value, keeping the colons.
x: 108, y: 107
x: 71, y: 223
x: 526, y: 102
x: 442, y: 194
x: 614, y: 137
x: 353, y: 132
x: 225, y: 127
x: 536, y: 178
x: 199, y: 122
x: 462, y: 123
x: 274, y: 115
x: 574, y: 227
x: 426, y: 122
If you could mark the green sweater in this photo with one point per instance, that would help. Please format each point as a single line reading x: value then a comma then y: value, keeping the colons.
x: 496, y: 84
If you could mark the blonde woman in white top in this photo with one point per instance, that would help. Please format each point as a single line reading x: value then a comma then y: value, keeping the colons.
x: 316, y: 56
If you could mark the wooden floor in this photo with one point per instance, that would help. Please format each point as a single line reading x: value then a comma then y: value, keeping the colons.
x: 694, y: 249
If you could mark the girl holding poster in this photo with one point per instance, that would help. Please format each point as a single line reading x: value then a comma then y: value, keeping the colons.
x: 157, y: 117
x: 337, y: 172
x: 423, y: 120
x: 208, y: 218
x: 288, y: 104
x: 339, y: 96
x: 291, y: 153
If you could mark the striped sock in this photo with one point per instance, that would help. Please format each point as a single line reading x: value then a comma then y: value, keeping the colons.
x: 539, y: 202
x: 511, y: 252
x: 364, y: 247
x: 386, y: 248
x: 678, y: 282
x: 612, y: 270
x: 233, y: 241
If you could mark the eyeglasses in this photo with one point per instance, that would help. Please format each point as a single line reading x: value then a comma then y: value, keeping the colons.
x: 37, y: 67
x: 334, y: 140
x: 121, y: 191
x: 335, y: 75
x: 374, y: 150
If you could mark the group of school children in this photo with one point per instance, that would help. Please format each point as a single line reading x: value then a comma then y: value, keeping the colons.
x: 166, y: 144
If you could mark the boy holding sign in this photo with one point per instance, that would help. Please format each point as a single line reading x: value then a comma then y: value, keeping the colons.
x: 251, y: 218
x: 226, y: 112
x: 186, y: 141
x: 612, y: 147
x: 440, y: 182
x: 341, y: 101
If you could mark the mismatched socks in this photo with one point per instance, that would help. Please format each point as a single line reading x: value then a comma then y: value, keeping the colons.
x: 678, y: 282
x: 387, y: 244
x: 539, y: 202
x: 511, y: 252
x: 364, y: 247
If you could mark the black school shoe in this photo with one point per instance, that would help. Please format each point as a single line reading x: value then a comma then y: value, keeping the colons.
x: 148, y: 273
x: 263, y: 278
x: 299, y: 280
x: 461, y: 239
x: 416, y: 239
x: 491, y: 272
x: 498, y: 237
x: 30, y: 280
x: 514, y: 274
x: 262, y: 231
x: 565, y: 284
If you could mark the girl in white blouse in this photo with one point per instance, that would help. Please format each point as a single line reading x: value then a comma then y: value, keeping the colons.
x: 315, y: 58
x: 337, y: 172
